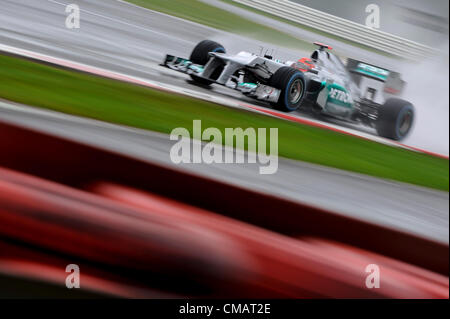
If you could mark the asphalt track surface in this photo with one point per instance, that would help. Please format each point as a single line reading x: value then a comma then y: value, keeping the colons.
x: 127, y: 39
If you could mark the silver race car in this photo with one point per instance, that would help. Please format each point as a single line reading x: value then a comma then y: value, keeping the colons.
x: 356, y: 92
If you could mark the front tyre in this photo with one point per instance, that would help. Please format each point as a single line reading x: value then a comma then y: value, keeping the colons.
x: 291, y: 82
x: 395, y: 119
x: 200, y: 55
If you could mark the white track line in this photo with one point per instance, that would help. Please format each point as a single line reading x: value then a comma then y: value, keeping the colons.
x: 207, y: 97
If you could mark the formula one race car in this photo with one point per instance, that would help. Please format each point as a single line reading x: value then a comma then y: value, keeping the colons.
x: 322, y: 83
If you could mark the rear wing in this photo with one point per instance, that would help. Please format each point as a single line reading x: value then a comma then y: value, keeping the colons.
x: 393, y: 84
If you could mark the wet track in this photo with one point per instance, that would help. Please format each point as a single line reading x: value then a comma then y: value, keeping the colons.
x: 122, y: 38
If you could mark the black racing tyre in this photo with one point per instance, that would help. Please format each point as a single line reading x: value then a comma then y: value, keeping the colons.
x: 395, y: 119
x: 291, y: 82
x: 200, y: 55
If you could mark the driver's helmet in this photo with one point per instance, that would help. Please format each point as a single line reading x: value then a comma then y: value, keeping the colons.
x: 304, y: 64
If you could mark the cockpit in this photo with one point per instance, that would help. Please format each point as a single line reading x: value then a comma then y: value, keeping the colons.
x: 319, y: 55
x: 322, y: 58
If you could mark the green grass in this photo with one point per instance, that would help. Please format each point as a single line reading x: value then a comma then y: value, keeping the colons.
x: 113, y: 101
x: 200, y: 12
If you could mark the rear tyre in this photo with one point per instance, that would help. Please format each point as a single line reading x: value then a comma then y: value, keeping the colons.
x: 395, y: 119
x: 200, y: 55
x: 291, y: 82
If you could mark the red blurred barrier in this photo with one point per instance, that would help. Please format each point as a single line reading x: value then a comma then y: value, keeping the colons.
x: 343, y: 263
x: 141, y: 235
x: 86, y: 226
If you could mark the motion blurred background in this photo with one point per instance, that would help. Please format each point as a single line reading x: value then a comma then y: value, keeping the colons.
x: 86, y: 177
x: 421, y: 21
